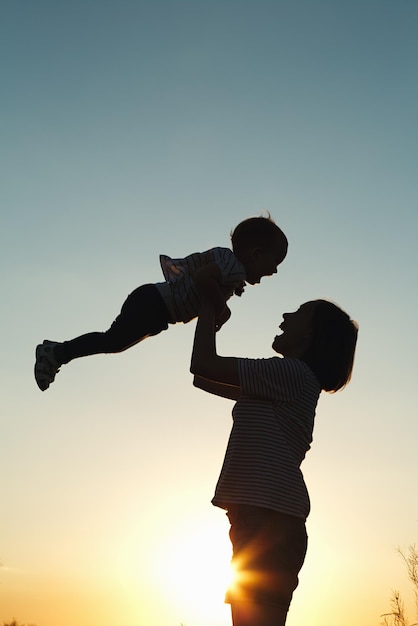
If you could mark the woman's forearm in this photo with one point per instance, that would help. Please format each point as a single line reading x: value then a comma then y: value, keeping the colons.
x: 204, y: 346
x: 218, y: 389
x: 205, y: 362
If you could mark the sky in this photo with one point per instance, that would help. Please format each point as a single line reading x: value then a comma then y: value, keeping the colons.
x: 135, y: 128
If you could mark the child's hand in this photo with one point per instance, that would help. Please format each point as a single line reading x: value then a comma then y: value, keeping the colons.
x: 222, y: 318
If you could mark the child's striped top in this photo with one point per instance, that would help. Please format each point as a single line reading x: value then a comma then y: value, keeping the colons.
x: 179, y: 292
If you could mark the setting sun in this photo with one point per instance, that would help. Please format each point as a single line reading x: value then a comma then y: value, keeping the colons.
x: 194, y: 566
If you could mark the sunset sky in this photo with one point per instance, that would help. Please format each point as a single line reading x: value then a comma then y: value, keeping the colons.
x: 134, y: 128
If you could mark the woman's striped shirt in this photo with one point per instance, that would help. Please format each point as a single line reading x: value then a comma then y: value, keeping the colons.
x: 272, y: 431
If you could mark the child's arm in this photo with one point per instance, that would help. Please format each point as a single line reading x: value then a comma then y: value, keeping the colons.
x: 208, y: 283
x: 218, y: 389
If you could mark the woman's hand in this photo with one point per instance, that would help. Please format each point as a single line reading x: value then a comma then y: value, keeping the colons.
x: 222, y: 318
x: 207, y: 281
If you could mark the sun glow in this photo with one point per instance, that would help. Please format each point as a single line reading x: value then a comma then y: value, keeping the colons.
x: 194, y: 565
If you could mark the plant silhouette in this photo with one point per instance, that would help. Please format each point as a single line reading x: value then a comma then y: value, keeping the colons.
x: 397, y: 615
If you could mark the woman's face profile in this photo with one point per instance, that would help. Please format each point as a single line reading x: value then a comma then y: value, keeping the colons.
x: 297, y: 331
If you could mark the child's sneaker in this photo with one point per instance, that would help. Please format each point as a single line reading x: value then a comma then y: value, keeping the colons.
x: 46, y: 365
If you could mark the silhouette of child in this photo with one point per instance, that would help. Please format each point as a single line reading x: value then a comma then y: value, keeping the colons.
x: 261, y: 485
x: 258, y: 247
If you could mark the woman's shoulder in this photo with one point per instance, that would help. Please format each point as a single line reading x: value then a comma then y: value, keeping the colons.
x: 291, y: 364
x: 276, y: 379
x: 280, y: 367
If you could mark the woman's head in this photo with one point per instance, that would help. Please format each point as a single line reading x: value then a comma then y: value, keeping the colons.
x: 324, y: 336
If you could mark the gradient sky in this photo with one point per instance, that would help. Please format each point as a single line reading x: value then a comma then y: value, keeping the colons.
x: 130, y: 129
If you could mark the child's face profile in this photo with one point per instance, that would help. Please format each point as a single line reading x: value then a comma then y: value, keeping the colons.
x: 259, y: 262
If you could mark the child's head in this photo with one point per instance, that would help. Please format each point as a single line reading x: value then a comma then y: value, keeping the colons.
x: 332, y: 345
x: 324, y: 336
x: 260, y: 245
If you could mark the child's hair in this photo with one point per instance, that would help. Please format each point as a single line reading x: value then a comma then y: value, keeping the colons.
x: 333, y: 344
x: 258, y: 231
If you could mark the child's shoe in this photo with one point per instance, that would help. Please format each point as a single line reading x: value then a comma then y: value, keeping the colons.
x: 46, y: 365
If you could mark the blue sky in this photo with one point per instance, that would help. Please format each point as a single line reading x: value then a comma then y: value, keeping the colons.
x: 130, y: 129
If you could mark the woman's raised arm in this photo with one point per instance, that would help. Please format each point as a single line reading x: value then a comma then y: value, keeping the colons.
x: 205, y: 362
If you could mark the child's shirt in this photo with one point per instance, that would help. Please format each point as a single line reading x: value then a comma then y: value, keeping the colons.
x: 271, y: 433
x: 179, y: 292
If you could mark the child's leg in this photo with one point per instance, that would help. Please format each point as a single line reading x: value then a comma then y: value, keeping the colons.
x: 143, y: 314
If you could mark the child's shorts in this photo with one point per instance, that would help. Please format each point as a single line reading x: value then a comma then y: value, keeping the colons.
x: 269, y: 549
